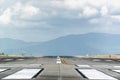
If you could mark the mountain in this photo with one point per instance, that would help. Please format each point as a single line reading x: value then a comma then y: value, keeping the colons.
x: 91, y: 43
x: 8, y: 45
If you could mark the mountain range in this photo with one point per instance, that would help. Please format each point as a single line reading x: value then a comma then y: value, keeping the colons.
x: 82, y: 44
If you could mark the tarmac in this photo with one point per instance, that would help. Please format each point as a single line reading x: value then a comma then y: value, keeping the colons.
x: 66, y: 70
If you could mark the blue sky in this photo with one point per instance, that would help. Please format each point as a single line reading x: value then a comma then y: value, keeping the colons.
x: 44, y: 20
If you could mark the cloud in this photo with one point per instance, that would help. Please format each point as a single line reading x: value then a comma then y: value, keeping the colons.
x: 104, y: 11
x: 116, y: 17
x: 72, y: 4
x: 84, y: 8
x: 89, y: 12
x: 48, y: 19
x: 26, y: 10
x: 103, y: 7
x: 5, y: 18
x: 114, y: 5
x: 3, y: 1
x: 22, y: 11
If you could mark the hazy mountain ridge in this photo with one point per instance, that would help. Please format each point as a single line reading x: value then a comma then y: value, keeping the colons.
x: 92, y: 43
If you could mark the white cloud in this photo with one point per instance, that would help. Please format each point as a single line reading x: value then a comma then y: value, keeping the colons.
x: 3, y: 1
x: 79, y: 4
x: 114, y: 5
x: 59, y: 16
x: 104, y: 7
x: 29, y: 11
x: 56, y: 3
x: 25, y: 11
x: 97, y: 3
x: 89, y: 12
x: 69, y: 4
x: 74, y: 4
x: 5, y: 18
x: 115, y: 18
x: 104, y: 11
x: 86, y: 8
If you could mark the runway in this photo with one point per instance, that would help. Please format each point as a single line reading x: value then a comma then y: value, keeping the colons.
x: 70, y: 68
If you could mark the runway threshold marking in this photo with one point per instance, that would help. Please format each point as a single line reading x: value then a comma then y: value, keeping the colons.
x: 1, y: 70
x: 83, y: 66
x: 20, y: 65
x: 116, y: 66
x: 95, y: 74
x: 118, y: 71
x: 96, y: 60
x: 24, y: 74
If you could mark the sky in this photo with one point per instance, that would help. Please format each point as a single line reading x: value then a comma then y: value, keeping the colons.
x: 44, y: 20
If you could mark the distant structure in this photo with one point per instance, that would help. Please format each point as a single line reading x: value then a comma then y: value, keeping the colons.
x: 58, y: 60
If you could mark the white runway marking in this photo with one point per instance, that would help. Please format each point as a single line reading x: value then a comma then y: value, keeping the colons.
x: 95, y: 74
x: 116, y: 71
x: 1, y: 70
x: 116, y: 66
x: 58, y: 62
x: 7, y: 59
x: 24, y: 74
x: 108, y: 60
x: 96, y: 60
x: 102, y: 66
x: 83, y: 66
x: 20, y: 65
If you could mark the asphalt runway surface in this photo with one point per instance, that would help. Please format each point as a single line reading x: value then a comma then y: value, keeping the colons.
x: 68, y: 69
